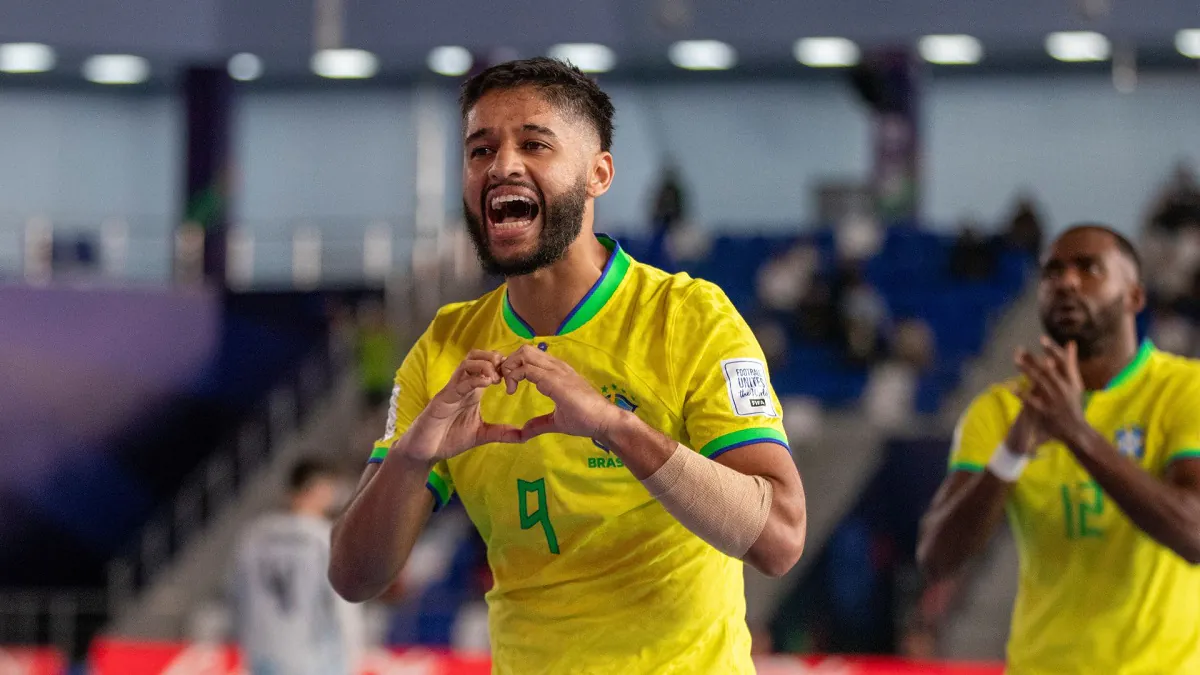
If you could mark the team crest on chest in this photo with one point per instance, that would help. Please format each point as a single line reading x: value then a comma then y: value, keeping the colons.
x: 1131, y: 441
x: 618, y: 396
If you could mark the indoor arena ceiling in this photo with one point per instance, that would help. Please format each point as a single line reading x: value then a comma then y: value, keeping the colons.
x: 639, y: 32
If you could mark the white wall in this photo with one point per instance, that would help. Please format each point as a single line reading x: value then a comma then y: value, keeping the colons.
x: 751, y: 153
x: 325, y: 155
x: 83, y: 156
x: 1084, y: 150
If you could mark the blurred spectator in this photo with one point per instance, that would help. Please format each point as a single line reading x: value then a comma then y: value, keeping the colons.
x: 802, y: 419
x: 376, y: 352
x: 973, y: 257
x: 667, y: 212
x: 1178, y: 205
x: 784, y: 280
x: 670, y: 206
x: 865, y: 319
x: 858, y: 237
x: 343, y: 335
x: 1171, y: 332
x: 1024, y: 232
x: 816, y: 316
x: 288, y: 618
x: 689, y: 245
x: 773, y: 340
x: 889, y: 399
x: 914, y: 344
x: 1188, y: 305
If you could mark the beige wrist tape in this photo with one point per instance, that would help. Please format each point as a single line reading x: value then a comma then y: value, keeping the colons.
x: 724, y: 507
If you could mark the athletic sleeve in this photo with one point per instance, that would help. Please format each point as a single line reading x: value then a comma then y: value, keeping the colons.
x: 720, y: 375
x: 980, y: 429
x: 1183, y: 424
x: 410, y: 395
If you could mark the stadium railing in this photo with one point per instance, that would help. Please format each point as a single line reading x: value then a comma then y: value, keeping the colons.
x: 294, y: 253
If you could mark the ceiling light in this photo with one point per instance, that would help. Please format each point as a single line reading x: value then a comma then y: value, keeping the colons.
x: 116, y: 69
x: 1188, y: 42
x: 702, y: 55
x: 1078, y: 46
x: 588, y: 57
x: 245, y: 67
x: 450, y: 61
x: 26, y: 57
x: 950, y: 50
x: 826, y: 52
x: 344, y: 63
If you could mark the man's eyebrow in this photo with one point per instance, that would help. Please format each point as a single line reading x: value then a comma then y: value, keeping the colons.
x: 538, y: 129
x: 478, y: 133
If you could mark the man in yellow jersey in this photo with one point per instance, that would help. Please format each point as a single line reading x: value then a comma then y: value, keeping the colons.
x: 1095, y: 454
x: 610, y: 429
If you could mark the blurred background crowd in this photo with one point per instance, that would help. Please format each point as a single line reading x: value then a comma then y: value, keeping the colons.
x: 222, y: 227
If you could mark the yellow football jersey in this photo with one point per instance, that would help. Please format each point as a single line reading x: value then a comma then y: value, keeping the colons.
x: 591, y: 574
x: 1096, y: 594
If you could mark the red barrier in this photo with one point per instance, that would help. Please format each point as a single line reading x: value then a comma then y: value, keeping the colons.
x: 31, y: 661
x: 115, y: 657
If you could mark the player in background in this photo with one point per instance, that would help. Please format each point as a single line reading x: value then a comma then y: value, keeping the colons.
x: 610, y: 429
x: 288, y: 619
x: 1095, y: 454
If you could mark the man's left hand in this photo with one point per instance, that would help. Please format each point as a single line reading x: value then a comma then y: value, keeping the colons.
x: 1055, y: 392
x: 579, y: 410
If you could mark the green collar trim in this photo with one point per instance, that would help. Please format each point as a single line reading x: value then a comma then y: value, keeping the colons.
x: 1135, y: 366
x: 597, y: 297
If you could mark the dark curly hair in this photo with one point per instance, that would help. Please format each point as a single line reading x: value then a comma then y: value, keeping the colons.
x: 564, y: 85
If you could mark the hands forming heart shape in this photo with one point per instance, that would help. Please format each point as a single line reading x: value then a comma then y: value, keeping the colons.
x: 451, y: 424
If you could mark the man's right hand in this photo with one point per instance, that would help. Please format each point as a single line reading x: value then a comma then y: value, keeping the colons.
x: 1025, y: 434
x: 451, y: 424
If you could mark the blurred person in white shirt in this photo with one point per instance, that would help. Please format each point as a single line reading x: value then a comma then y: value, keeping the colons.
x: 288, y: 619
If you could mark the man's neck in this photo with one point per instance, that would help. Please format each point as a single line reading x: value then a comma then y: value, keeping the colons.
x: 1099, y: 369
x: 545, y: 297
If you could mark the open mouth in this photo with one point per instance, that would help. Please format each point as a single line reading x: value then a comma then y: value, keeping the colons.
x: 511, y: 212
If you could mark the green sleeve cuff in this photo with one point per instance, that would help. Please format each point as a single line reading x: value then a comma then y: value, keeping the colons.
x: 1187, y: 453
x: 378, y: 454
x: 971, y: 467
x: 737, y: 439
x: 441, y: 491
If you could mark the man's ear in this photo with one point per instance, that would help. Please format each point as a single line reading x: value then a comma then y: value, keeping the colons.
x: 600, y: 176
x: 1137, y: 298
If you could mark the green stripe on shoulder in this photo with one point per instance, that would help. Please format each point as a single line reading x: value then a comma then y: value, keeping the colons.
x: 1187, y: 453
x: 439, y: 486
x: 743, y: 437
x: 378, y: 453
x: 971, y: 467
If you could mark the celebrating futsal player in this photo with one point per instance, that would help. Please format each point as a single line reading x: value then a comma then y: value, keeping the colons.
x: 610, y: 429
x: 1094, y: 451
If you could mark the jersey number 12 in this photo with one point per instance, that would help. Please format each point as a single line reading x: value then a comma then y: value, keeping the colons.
x: 1080, y: 504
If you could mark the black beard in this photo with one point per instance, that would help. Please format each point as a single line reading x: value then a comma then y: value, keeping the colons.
x: 1097, y: 330
x: 562, y: 220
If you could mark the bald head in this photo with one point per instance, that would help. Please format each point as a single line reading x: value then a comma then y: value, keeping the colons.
x: 1122, y: 244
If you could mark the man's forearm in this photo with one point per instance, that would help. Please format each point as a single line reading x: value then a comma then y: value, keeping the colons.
x: 642, y: 448
x: 728, y: 509
x: 1171, y: 516
x: 374, y: 536
x: 960, y: 523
